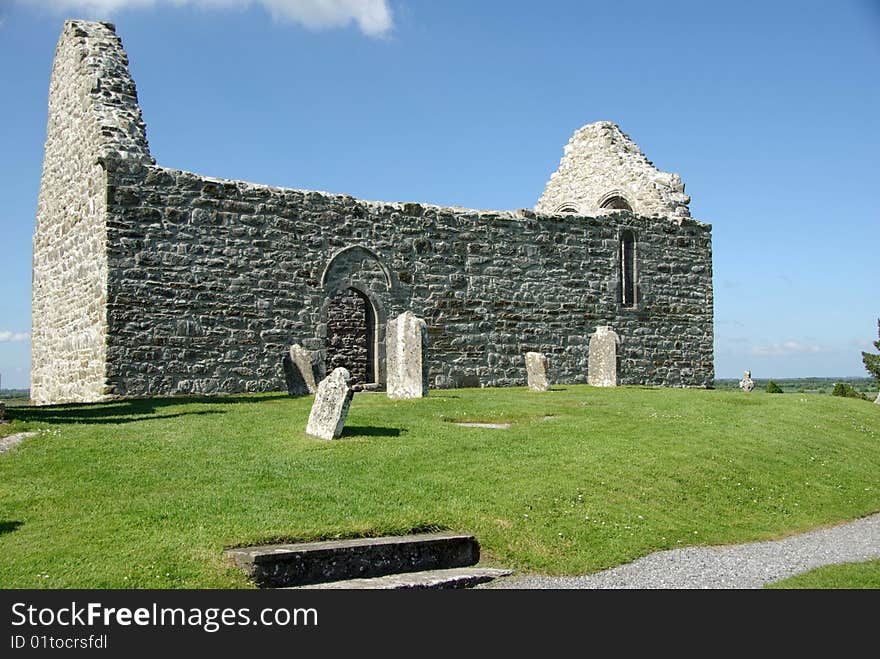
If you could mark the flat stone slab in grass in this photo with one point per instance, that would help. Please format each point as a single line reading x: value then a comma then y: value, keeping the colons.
x: 330, y: 408
x: 7, y: 443
x: 278, y: 566
x: 469, y: 424
x: 459, y: 577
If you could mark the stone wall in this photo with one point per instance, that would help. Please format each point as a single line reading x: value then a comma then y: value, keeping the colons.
x: 599, y: 163
x: 93, y: 114
x: 211, y: 280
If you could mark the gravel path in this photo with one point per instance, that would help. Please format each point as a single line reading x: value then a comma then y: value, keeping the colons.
x: 7, y: 443
x: 749, y: 565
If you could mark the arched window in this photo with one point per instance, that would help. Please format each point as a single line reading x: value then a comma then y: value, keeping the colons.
x: 615, y: 202
x: 566, y: 208
x: 628, y: 269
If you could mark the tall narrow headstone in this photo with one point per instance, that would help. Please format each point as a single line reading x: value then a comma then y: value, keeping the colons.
x: 878, y: 398
x: 406, y: 350
x: 299, y: 371
x: 536, y: 371
x: 330, y: 408
x: 602, y: 365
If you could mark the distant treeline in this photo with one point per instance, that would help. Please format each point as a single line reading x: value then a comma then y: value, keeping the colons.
x: 15, y: 393
x: 804, y: 385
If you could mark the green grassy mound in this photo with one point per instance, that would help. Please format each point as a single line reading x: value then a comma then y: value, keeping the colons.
x: 849, y: 575
x: 147, y: 493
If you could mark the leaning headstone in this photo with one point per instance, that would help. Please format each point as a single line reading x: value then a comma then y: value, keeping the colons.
x: 299, y: 371
x: 602, y: 365
x: 878, y: 398
x: 747, y: 384
x: 406, y: 351
x: 536, y: 371
x: 330, y: 408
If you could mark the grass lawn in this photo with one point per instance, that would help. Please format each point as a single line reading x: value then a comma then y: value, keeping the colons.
x: 147, y: 493
x: 849, y: 575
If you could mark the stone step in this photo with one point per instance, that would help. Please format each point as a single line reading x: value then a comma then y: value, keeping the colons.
x: 459, y: 577
x: 284, y: 565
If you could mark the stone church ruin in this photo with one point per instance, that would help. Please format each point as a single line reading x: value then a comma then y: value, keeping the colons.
x: 154, y: 281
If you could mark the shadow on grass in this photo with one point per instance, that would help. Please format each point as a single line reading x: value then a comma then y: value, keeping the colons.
x: 126, y: 411
x: 370, y: 431
x: 9, y: 527
x: 114, y: 419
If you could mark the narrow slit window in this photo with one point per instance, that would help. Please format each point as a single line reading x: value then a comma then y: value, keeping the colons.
x: 628, y: 269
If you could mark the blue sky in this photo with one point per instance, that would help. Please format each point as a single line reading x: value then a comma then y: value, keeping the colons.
x: 770, y: 111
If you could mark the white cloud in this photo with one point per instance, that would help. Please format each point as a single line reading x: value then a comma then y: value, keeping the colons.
x: 13, y: 337
x: 785, y: 349
x: 373, y: 17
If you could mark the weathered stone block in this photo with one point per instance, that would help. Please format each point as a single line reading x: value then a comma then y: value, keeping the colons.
x: 602, y: 364
x: 330, y: 408
x: 300, y: 366
x: 282, y: 566
x: 536, y: 371
x: 406, y: 341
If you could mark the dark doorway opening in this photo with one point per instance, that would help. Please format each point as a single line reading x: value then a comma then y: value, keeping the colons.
x: 351, y: 335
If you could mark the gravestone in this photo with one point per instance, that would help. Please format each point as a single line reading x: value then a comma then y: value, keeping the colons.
x: 406, y: 350
x: 878, y: 398
x: 299, y: 371
x: 2, y: 411
x: 747, y: 384
x: 602, y: 365
x: 330, y: 408
x: 536, y: 371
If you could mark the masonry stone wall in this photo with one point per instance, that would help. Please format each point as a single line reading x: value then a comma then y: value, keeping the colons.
x: 93, y: 114
x: 211, y: 280
x: 600, y: 162
x: 200, y: 285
